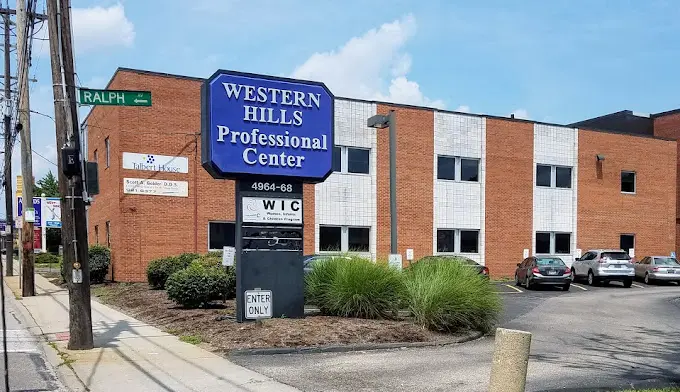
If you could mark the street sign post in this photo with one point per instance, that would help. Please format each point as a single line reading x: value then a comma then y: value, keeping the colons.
x: 114, y: 97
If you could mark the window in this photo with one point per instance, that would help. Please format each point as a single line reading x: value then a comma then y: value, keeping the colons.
x: 344, y: 239
x: 562, y: 177
x: 553, y: 176
x: 469, y: 170
x: 457, y: 241
x: 108, y: 234
x: 446, y: 168
x: 351, y: 160
x: 357, y: 160
x: 628, y: 182
x: 553, y: 243
x: 469, y: 240
x: 95, y: 156
x: 330, y: 239
x: 96, y: 234
x: 457, y: 169
x: 542, y: 243
x: 543, y: 175
x: 446, y: 241
x: 221, y: 234
x: 107, y: 145
x: 358, y: 239
x: 337, y: 159
x: 627, y: 241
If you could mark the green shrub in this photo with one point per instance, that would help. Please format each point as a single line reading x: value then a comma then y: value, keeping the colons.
x: 46, y: 258
x: 197, y: 285
x: 355, y: 287
x: 210, y: 260
x: 214, y: 260
x: 445, y: 295
x: 186, y: 258
x: 158, y: 270
x: 100, y: 260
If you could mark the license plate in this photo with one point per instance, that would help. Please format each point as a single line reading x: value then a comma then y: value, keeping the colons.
x: 671, y: 271
x: 615, y: 266
x: 552, y: 272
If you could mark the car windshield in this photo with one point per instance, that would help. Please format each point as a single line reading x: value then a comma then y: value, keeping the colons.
x: 550, y: 261
x: 616, y: 255
x: 665, y: 261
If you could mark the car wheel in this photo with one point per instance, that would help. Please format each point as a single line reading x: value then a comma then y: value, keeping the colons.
x: 527, y: 283
x: 566, y: 287
x: 647, y: 280
x: 627, y: 283
x: 573, y: 275
x: 591, y: 279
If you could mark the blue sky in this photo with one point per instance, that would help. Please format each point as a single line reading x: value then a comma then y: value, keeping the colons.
x: 556, y: 61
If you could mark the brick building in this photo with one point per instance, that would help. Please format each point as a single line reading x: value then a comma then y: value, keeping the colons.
x: 483, y: 186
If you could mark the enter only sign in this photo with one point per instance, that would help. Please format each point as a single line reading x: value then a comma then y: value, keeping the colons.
x: 258, y: 304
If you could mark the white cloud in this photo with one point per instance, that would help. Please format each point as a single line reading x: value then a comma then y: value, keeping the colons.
x: 99, y: 27
x: 463, y: 109
x: 358, y: 68
x: 521, y: 113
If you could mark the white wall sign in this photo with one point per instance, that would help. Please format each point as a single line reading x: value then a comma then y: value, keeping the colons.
x: 578, y: 253
x: 526, y: 253
x: 154, y: 162
x: 142, y: 186
x: 228, y: 255
x: 258, y: 304
x: 272, y: 210
x: 631, y: 252
x: 409, y: 254
x: 394, y: 261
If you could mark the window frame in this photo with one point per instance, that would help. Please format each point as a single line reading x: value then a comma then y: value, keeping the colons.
x: 458, y: 168
x: 107, y: 146
x: 330, y: 227
x: 108, y: 234
x: 536, y: 252
x: 368, y: 245
x: 344, y: 160
x: 96, y: 234
x: 571, y: 176
x: 344, y: 239
x: 553, y: 176
x: 455, y: 167
x: 550, y: 179
x: 367, y: 150
x: 552, y: 244
x: 629, y: 235
x: 460, y: 242
x: 457, y: 241
x: 634, y: 182
x: 219, y: 221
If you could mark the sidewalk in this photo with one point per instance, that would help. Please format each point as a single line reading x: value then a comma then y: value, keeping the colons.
x: 129, y: 355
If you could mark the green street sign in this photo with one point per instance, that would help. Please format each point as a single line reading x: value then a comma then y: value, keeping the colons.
x: 114, y: 97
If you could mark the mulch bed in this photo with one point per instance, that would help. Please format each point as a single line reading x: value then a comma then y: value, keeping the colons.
x: 217, y: 326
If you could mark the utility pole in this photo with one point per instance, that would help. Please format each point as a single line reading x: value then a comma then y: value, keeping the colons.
x: 9, y: 136
x: 24, y: 127
x: 74, y: 226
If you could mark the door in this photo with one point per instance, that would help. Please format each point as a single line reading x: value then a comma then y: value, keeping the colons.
x: 583, y: 263
x: 522, y: 269
x: 641, y: 267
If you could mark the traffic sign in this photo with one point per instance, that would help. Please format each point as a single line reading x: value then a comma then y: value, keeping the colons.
x: 114, y: 97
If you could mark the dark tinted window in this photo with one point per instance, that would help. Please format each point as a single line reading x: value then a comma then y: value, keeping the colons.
x: 626, y: 242
x: 562, y: 243
x: 357, y: 160
x: 337, y: 159
x: 550, y: 261
x: 446, y: 168
x: 358, y: 239
x: 542, y: 175
x: 563, y: 177
x: 542, y: 243
x: 445, y: 239
x: 330, y: 238
x: 627, y: 181
x: 469, y: 170
x: 221, y: 234
x: 665, y: 261
x: 468, y: 241
x: 615, y: 256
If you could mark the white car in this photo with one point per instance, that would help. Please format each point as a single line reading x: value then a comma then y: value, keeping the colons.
x: 604, y: 265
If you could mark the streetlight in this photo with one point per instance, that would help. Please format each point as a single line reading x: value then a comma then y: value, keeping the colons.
x: 380, y: 121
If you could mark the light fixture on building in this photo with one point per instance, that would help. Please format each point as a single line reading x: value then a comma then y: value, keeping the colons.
x: 600, y: 157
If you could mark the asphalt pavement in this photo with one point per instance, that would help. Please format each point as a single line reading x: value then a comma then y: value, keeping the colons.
x: 586, y: 339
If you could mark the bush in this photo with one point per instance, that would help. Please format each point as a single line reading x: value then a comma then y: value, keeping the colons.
x: 186, y: 258
x: 197, y: 285
x: 46, y: 258
x: 100, y: 260
x: 355, y: 287
x: 444, y: 295
x: 214, y: 260
x: 158, y: 270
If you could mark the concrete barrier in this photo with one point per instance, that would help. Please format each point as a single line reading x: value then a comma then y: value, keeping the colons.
x: 510, y: 361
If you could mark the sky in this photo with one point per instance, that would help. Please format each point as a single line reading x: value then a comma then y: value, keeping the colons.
x: 557, y: 61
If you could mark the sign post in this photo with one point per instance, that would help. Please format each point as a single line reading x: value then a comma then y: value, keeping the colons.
x: 271, y: 135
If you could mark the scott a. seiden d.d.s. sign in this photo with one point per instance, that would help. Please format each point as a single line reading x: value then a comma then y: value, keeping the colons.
x: 262, y: 125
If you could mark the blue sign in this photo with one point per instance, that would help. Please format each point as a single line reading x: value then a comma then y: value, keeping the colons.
x: 267, y: 126
x: 36, y: 206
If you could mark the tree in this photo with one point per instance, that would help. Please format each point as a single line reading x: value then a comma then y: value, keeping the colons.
x: 47, y: 185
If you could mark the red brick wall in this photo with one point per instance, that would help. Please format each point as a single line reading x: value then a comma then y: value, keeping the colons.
x: 669, y: 126
x: 509, y: 193
x: 415, y: 191
x: 604, y: 212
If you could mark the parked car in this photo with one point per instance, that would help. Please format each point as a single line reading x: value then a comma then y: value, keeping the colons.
x: 481, y: 269
x: 543, y: 270
x: 309, y: 260
x: 604, y: 265
x: 658, y: 268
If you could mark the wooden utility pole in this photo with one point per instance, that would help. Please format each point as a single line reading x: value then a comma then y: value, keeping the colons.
x: 24, y: 127
x: 74, y: 226
x: 9, y: 136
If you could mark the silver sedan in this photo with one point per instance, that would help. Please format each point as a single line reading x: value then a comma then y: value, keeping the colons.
x: 658, y: 268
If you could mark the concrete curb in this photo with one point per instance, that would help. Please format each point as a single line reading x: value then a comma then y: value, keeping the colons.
x: 352, y: 347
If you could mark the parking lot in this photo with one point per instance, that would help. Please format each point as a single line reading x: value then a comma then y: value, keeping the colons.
x: 576, y: 287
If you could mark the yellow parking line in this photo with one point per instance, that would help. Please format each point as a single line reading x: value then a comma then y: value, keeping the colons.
x: 580, y: 287
x: 638, y: 286
x: 514, y: 288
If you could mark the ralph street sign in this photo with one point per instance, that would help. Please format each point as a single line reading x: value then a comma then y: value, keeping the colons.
x: 114, y: 97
